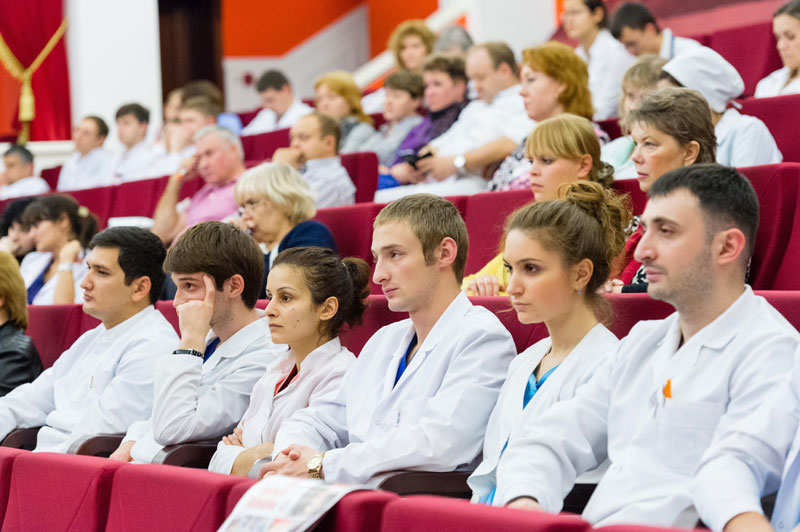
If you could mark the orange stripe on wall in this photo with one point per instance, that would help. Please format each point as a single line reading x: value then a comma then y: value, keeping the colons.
x: 267, y: 28
x: 384, y: 16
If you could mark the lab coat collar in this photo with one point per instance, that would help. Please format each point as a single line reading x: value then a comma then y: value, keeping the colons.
x: 238, y: 343
x: 122, y: 328
x: 318, y: 357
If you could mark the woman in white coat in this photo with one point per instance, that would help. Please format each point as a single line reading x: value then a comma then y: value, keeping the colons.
x: 587, y: 22
x: 312, y: 294
x: 786, y: 27
x: 559, y: 253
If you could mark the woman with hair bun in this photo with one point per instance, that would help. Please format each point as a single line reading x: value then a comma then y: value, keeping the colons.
x: 559, y: 253
x: 61, y: 232
x: 561, y: 149
x: 312, y: 293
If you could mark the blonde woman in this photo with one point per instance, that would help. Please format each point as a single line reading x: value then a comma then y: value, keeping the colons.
x: 337, y: 95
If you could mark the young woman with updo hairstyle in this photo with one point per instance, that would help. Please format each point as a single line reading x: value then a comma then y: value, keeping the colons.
x: 561, y: 149
x: 558, y: 253
x: 337, y: 95
x: 786, y: 27
x: 61, y: 232
x: 312, y: 293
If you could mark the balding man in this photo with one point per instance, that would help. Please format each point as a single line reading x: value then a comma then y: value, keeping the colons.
x: 219, y: 162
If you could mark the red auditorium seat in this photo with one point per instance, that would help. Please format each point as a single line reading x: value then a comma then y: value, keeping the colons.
x: 611, y: 126
x: 631, y: 188
x: 751, y: 49
x: 138, y: 198
x: 98, y: 200
x: 632, y: 528
x: 360, y: 511
x: 776, y: 113
x: 486, y: 215
x: 438, y: 514
x: 247, y: 116
x: 60, y: 492
x: 376, y: 316
x: 262, y: 146
x: 236, y: 493
x: 351, y: 226
x: 363, y: 170
x: 7, y: 457
x: 53, y: 329
x: 156, y: 497
x: 168, y: 310
x: 776, y: 258
x: 51, y: 176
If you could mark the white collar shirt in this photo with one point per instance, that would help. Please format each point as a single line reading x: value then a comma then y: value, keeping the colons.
x: 134, y: 164
x: 27, y: 186
x: 89, y: 171
x: 607, y: 60
x: 744, y: 140
x: 777, y: 84
x: 267, y: 120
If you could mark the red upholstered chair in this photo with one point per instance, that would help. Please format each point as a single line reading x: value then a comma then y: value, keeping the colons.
x: 629, y: 309
x: 351, y: 227
x: 376, y: 316
x: 363, y: 170
x: 775, y: 113
x: 189, y: 188
x: 51, y: 176
x: 138, y: 198
x: 776, y: 258
x: 98, y: 200
x: 156, y: 497
x: 751, y: 49
x: 59, y: 492
x: 524, y: 335
x: 486, y: 215
x: 236, y: 493
x: 169, y: 312
x: 631, y: 188
x: 611, y: 126
x: 54, y: 328
x: 633, y: 528
x: 7, y: 457
x: 460, y: 202
x: 360, y: 511
x: 262, y: 146
x: 438, y: 514
x: 377, y: 120
x: 247, y: 116
x: 787, y: 302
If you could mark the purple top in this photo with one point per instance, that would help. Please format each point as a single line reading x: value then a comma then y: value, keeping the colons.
x: 433, y: 125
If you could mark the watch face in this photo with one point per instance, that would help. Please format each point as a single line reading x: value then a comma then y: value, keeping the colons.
x: 314, y: 462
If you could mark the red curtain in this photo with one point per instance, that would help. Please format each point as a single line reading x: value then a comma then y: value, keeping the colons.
x: 26, y: 26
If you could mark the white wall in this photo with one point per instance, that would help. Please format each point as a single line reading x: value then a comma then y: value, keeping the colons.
x: 114, y: 57
x: 520, y: 23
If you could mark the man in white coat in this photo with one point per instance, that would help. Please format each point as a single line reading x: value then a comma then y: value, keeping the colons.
x: 280, y: 107
x: 636, y: 28
x: 90, y: 165
x: 203, y: 388
x: 138, y: 155
x: 654, y: 407
x: 104, y: 381
x: 421, y: 391
x: 17, y: 179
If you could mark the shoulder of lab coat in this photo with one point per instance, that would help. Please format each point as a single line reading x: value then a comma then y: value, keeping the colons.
x: 744, y: 140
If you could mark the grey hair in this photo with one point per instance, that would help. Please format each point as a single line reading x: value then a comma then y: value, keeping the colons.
x: 225, y: 135
x: 451, y: 37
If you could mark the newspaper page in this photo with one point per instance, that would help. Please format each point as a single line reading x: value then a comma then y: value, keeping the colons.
x: 285, y: 504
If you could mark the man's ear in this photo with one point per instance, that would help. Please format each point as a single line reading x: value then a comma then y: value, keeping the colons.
x: 141, y: 288
x: 729, y: 246
x: 235, y: 284
x: 448, y: 249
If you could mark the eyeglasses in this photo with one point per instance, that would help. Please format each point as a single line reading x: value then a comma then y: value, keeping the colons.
x: 249, y: 206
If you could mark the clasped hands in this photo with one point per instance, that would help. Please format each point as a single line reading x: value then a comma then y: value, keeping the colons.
x: 291, y: 462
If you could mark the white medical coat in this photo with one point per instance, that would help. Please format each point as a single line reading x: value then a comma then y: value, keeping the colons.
x: 89, y: 171
x: 101, y: 384
x: 607, y: 60
x: 672, y: 46
x: 266, y: 120
x: 36, y: 262
x: 744, y: 140
x: 574, y: 371
x: 319, y: 378
x: 433, y: 419
x: 654, y: 443
x: 27, y: 186
x: 776, y: 84
x: 198, y: 401
x: 134, y: 164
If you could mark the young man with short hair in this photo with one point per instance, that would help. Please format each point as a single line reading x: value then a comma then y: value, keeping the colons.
x: 203, y: 388
x: 314, y: 151
x: 17, y: 180
x: 90, y: 165
x: 104, y: 381
x: 636, y: 28
x: 137, y: 158
x: 653, y: 408
x: 280, y: 108
x: 420, y: 393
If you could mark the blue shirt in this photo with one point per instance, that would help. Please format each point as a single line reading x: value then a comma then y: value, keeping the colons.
x: 401, y: 368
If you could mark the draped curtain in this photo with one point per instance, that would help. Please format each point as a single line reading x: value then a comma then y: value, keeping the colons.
x: 26, y: 26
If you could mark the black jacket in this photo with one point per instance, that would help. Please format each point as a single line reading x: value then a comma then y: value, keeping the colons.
x: 19, y: 359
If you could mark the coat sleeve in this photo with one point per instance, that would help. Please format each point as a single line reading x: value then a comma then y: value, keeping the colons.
x: 28, y: 405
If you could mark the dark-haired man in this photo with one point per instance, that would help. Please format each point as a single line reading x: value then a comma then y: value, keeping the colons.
x: 104, y: 381
x: 90, y: 165
x: 654, y: 407
x: 135, y: 161
x: 203, y: 388
x: 636, y: 28
x: 17, y: 180
x: 280, y: 108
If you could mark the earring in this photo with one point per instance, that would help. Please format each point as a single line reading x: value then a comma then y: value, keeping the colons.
x: 580, y: 291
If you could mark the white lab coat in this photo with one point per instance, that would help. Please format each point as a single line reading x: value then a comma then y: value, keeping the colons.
x: 745, y: 462
x: 199, y: 401
x: 134, y: 164
x: 101, y: 384
x: 744, y: 140
x: 89, y: 171
x: 654, y: 443
x: 36, y: 262
x: 607, y: 60
x: 433, y: 419
x: 574, y: 371
x: 776, y: 84
x: 671, y: 45
x: 319, y: 378
x: 27, y: 186
x: 266, y: 120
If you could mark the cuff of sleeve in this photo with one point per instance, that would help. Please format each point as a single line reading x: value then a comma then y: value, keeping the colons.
x: 727, y: 509
x: 136, y: 430
x: 331, y: 465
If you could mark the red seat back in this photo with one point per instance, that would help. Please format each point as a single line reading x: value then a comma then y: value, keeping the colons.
x: 247, y: 116
x: 363, y: 170
x: 351, y: 227
x: 360, y: 511
x: 262, y: 146
x: 631, y: 188
x: 51, y: 176
x: 611, y: 126
x: 169, y: 312
x: 54, y: 328
x: 236, y: 493
x: 777, y: 113
x: 750, y: 49
x: 138, y: 198
x: 60, y: 492
x: 376, y: 316
x: 98, y: 200
x: 7, y: 457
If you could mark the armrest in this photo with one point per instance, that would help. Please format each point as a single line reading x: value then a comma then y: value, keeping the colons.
x: 96, y: 445
x: 449, y: 484
x: 196, y: 454
x: 21, y: 438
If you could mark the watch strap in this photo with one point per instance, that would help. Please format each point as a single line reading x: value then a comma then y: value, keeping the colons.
x: 193, y: 352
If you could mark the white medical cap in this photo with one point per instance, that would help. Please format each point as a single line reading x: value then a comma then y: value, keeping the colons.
x: 704, y: 70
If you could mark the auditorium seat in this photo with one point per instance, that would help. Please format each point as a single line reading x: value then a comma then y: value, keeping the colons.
x: 376, y: 316
x: 359, y: 511
x: 157, y: 497
x: 7, y: 457
x: 236, y: 493
x: 51, y: 176
x: 363, y: 170
x: 775, y: 113
x: 98, y: 200
x: 750, y: 49
x: 632, y: 528
x: 631, y: 188
x: 351, y: 227
x: 247, y: 116
x: 262, y: 146
x: 138, y: 198
x: 611, y: 126
x: 439, y: 514
x: 52, y: 491
x: 168, y: 310
x: 54, y: 328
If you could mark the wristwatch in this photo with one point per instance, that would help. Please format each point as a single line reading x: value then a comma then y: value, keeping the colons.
x: 193, y: 352
x: 459, y: 161
x: 315, y: 465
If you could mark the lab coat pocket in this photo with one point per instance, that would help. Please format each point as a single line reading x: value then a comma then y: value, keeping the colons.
x: 684, y: 432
